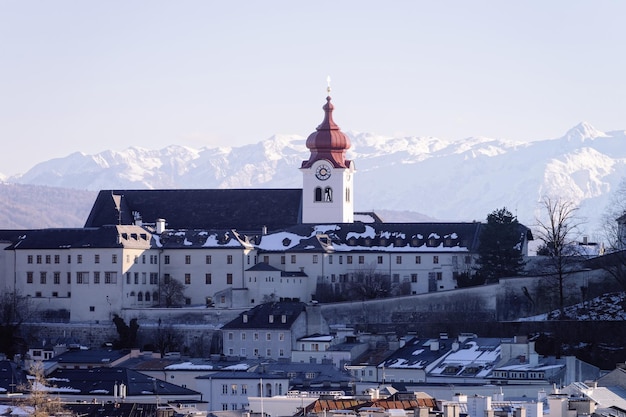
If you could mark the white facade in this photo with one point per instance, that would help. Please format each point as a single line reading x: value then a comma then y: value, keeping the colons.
x: 327, y: 193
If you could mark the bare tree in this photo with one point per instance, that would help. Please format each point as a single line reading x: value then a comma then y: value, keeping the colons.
x: 367, y: 284
x: 40, y: 402
x: 172, y: 292
x: 14, y: 310
x: 558, y: 229
x: 613, y: 230
x: 168, y: 339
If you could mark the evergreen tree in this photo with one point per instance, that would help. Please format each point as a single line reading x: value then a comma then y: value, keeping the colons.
x: 499, y: 251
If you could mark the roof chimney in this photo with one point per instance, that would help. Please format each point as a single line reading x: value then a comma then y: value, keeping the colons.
x: 160, y: 226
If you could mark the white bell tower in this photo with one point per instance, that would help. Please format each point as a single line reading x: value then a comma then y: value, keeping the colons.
x: 327, y: 191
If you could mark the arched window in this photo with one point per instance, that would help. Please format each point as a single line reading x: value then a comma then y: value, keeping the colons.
x: 318, y: 194
x: 147, y: 296
x: 139, y: 296
x: 132, y: 293
x: 155, y: 296
x: 328, y: 194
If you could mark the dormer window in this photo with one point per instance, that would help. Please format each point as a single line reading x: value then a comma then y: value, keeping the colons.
x: 271, y: 318
x: 283, y: 318
x: 245, y: 318
x: 432, y: 242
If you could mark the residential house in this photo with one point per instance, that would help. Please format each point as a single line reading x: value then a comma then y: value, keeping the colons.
x: 270, y: 330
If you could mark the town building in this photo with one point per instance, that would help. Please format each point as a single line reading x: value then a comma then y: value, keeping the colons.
x: 235, y: 248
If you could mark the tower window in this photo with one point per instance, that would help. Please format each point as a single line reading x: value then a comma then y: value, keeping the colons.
x: 318, y: 194
x: 328, y: 194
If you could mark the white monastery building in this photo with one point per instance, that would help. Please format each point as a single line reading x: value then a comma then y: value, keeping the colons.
x: 234, y: 247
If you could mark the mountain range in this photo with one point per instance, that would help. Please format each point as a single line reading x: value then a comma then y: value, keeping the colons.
x: 401, y: 178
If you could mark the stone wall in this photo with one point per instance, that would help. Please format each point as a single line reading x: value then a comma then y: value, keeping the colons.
x: 478, y: 308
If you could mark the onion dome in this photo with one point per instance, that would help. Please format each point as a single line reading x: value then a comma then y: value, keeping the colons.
x: 328, y: 142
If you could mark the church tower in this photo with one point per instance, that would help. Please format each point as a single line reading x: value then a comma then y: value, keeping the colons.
x: 327, y: 191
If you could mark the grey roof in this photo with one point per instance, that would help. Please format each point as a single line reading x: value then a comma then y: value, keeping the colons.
x: 258, y: 317
x: 241, y: 209
x: 241, y: 375
x: 104, y: 237
x: 102, y: 381
x: 369, y: 237
x: 94, y: 356
x: 415, y: 354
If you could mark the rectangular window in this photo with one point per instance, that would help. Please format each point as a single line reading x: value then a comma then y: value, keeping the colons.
x: 143, y: 259
x: 96, y: 277
x: 57, y: 278
x: 224, y: 389
x: 207, y: 259
x: 110, y: 277
x: 229, y: 279
x: 113, y: 258
x: 268, y: 353
x: 57, y: 259
x: 30, y: 259
x: 96, y: 258
x: 349, y: 259
x: 398, y: 259
x: 266, y: 259
x: 439, y: 276
x: 435, y: 259
x: 144, y: 277
x: 281, y: 336
x: 380, y: 259
x: 256, y: 336
x: 413, y: 277
x: 29, y: 277
x: 128, y: 279
x: 38, y: 259
x: 82, y: 277
x: 233, y: 389
x: 187, y: 279
x: 229, y: 259
x: 69, y: 259
x: 136, y: 278
x: 136, y: 259
x: 48, y: 259
x: 268, y: 336
x: 207, y: 279
x: 55, y: 294
x: 243, y: 336
x: 396, y: 278
x: 166, y: 259
x: 340, y: 259
x: 293, y: 259
x: 79, y: 259
x: 244, y: 388
x: 330, y: 259
x: 315, y: 259
x: 69, y: 277
x: 187, y: 259
x: 282, y: 259
x: 154, y: 278
x: 231, y: 336
x: 42, y: 277
x: 418, y: 259
x: 361, y: 259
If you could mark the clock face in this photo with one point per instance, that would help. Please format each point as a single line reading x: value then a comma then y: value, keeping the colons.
x: 323, y: 172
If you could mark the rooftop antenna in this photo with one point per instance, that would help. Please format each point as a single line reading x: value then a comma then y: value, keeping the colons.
x: 328, y: 85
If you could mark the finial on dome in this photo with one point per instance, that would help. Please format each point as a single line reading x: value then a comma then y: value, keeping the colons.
x: 328, y: 85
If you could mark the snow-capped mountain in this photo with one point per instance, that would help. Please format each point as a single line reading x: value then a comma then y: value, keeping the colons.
x: 447, y: 180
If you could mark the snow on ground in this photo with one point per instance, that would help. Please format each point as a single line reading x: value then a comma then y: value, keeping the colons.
x: 607, y: 307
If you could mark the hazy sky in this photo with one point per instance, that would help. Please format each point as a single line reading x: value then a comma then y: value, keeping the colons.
x: 89, y: 76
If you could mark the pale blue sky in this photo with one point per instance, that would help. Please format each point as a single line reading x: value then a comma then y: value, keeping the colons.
x: 89, y: 76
